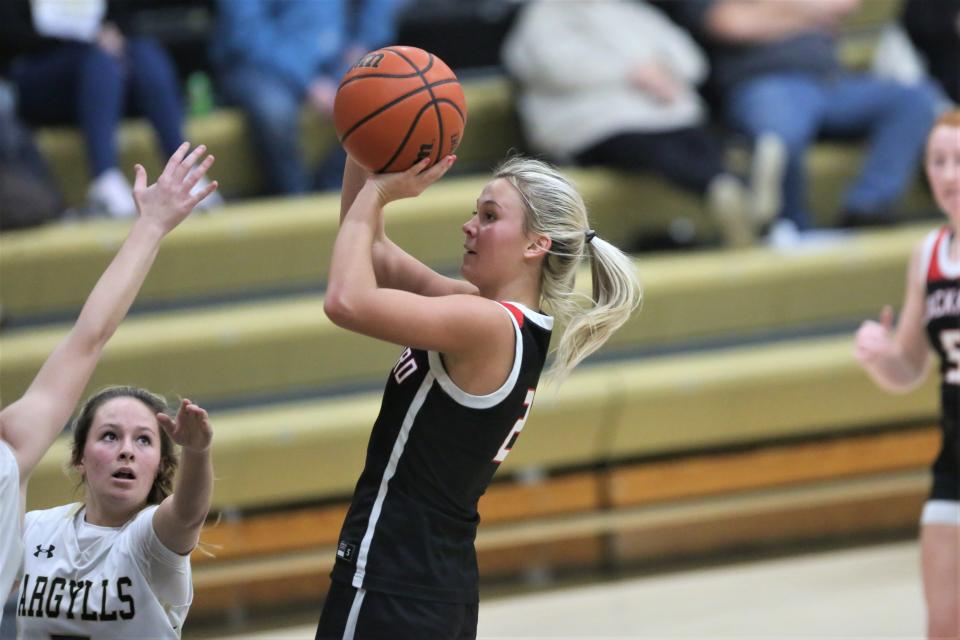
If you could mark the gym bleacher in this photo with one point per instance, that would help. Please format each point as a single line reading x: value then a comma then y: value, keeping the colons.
x: 728, y: 416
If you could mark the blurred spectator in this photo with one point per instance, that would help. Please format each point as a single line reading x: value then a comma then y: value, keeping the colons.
x: 613, y: 83
x: 895, y: 57
x: 934, y: 28
x: 273, y: 56
x: 72, y: 62
x: 776, y: 70
x: 28, y: 193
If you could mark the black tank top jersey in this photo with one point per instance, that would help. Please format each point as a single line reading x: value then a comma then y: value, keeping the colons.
x: 942, y: 319
x: 411, y: 526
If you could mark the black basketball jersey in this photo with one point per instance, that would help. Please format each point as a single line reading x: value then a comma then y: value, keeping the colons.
x: 411, y: 526
x: 942, y: 318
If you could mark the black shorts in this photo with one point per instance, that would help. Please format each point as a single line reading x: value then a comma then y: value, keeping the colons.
x: 352, y: 614
x: 946, y: 467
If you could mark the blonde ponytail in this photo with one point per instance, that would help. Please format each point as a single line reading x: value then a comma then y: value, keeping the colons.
x: 554, y: 208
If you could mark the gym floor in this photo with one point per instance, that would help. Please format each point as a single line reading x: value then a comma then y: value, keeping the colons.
x: 859, y: 593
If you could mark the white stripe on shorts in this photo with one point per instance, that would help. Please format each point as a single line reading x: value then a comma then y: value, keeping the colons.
x: 941, y: 512
x: 351, y: 628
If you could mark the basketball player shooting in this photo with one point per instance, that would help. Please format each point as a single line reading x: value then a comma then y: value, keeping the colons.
x: 471, y: 355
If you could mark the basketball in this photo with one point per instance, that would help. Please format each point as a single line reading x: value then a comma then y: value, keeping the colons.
x: 397, y: 105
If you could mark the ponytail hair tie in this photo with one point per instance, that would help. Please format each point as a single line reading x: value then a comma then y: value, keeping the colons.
x: 589, y: 235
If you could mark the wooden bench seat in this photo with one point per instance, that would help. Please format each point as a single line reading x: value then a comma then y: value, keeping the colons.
x: 617, y: 410
x: 648, y: 511
x: 273, y: 347
x: 262, y: 245
x: 492, y: 130
x: 284, y: 244
x: 247, y: 248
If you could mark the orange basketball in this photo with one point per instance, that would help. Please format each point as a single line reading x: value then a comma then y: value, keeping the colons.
x: 397, y: 105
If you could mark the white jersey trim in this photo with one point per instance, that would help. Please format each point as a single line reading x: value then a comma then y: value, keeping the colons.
x: 948, y: 267
x: 539, y: 319
x: 415, y: 405
x: 491, y: 399
x: 927, y: 254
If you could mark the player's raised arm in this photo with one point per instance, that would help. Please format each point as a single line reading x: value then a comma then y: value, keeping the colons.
x: 897, y: 357
x: 180, y: 516
x: 386, y: 123
x: 394, y: 267
x: 357, y: 298
x: 30, y: 424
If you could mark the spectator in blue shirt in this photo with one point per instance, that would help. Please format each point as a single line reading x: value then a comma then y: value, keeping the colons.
x: 273, y: 56
x: 776, y: 71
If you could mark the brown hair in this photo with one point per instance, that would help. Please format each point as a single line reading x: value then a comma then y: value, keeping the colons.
x: 163, y: 483
x: 949, y: 118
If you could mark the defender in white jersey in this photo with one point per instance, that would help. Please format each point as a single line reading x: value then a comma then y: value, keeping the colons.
x: 11, y: 509
x: 89, y: 581
x: 899, y: 359
x: 117, y: 565
x: 29, y: 425
x: 458, y: 398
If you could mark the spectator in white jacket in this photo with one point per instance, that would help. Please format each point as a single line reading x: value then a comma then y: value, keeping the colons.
x: 614, y: 83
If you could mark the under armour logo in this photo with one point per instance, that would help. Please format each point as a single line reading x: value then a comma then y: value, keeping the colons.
x: 48, y: 551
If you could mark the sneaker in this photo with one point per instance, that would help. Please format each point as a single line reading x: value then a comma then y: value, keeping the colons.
x: 783, y: 234
x: 112, y: 193
x: 785, y: 237
x: 727, y: 200
x: 766, y: 179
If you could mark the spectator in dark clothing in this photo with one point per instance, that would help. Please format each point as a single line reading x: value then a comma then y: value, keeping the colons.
x: 934, y: 29
x: 72, y: 62
x: 776, y: 70
x: 28, y: 193
x: 273, y: 56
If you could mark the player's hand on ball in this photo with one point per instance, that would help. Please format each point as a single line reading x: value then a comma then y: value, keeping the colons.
x: 168, y: 201
x: 412, y: 182
x: 191, y: 429
x: 874, y: 340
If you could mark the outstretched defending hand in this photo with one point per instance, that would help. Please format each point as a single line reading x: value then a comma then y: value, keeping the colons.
x: 874, y: 340
x: 412, y: 182
x: 192, y: 429
x: 168, y: 200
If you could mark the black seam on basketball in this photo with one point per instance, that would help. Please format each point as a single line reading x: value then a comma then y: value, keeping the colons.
x: 454, y: 105
x: 416, y: 71
x: 419, y: 71
x: 396, y: 76
x: 433, y: 97
x: 440, y: 139
x: 403, y: 143
x: 463, y: 120
x: 433, y: 100
x: 393, y: 102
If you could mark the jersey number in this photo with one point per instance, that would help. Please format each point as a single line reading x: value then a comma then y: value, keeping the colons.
x: 951, y: 346
x: 517, y: 428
